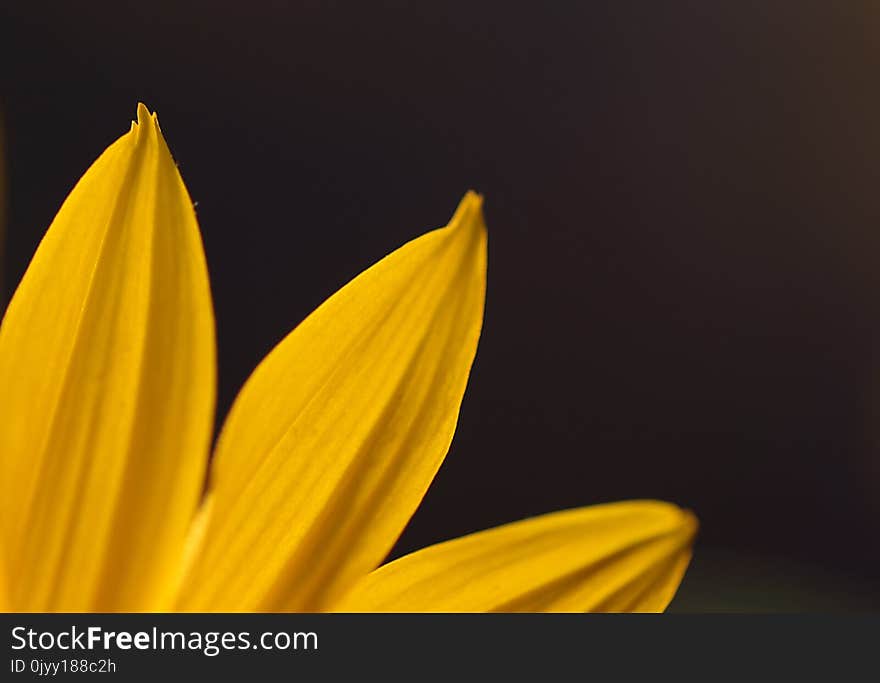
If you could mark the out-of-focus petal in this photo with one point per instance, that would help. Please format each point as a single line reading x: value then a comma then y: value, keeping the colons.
x: 618, y: 557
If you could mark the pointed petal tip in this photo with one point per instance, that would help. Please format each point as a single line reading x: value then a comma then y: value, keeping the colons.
x: 474, y: 197
x: 473, y: 201
x: 672, y: 519
x: 684, y: 527
x: 143, y: 114
x: 146, y: 123
x: 679, y: 517
x: 469, y: 212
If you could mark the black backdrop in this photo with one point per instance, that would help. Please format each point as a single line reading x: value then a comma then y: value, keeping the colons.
x: 683, y: 212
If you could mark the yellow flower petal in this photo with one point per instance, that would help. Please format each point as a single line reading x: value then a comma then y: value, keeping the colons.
x: 107, y: 371
x: 618, y: 557
x: 2, y: 208
x: 337, y: 435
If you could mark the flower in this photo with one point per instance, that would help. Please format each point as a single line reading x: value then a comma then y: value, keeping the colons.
x: 107, y: 369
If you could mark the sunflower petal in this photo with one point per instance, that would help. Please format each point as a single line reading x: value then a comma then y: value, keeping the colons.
x: 2, y: 207
x: 616, y: 557
x: 108, y: 373
x: 338, y: 433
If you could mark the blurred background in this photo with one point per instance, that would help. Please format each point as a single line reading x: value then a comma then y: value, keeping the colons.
x: 684, y: 217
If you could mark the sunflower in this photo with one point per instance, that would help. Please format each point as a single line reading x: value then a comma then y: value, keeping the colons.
x: 107, y: 391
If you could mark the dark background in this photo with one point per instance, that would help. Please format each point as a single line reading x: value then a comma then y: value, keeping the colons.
x: 683, y: 207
